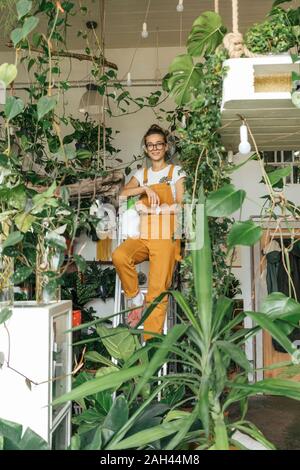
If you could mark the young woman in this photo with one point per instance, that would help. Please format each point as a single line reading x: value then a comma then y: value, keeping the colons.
x: 161, y: 189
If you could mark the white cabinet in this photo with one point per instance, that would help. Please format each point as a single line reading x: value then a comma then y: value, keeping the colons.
x: 35, y: 343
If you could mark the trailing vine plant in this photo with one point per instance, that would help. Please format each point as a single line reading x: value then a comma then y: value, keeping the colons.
x: 197, y: 89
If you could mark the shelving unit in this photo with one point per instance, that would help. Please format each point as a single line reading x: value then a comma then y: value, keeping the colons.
x: 39, y: 348
x: 259, y: 89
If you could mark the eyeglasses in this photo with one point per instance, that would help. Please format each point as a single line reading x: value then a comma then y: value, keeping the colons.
x: 158, y: 146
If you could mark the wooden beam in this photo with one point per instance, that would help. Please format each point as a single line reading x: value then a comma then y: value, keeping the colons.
x: 74, y: 55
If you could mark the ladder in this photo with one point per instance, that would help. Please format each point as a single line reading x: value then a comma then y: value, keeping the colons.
x: 120, y: 301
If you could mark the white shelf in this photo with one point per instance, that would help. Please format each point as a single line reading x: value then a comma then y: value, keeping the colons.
x: 41, y: 350
x: 272, y: 117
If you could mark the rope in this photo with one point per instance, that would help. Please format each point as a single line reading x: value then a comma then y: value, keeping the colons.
x: 235, y: 16
x: 234, y: 42
x: 217, y: 6
x: 147, y: 11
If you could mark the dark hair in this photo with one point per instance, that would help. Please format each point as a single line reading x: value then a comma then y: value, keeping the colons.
x: 155, y: 129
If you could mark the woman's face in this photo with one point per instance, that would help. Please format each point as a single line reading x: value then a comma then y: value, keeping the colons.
x: 156, y: 147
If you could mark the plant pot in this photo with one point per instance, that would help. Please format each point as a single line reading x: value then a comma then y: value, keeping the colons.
x: 76, y: 318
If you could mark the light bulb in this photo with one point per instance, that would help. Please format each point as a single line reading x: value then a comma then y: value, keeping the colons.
x: 179, y: 7
x: 129, y: 81
x: 145, y: 33
x: 244, y: 146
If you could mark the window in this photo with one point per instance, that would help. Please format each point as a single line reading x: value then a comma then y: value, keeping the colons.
x: 283, y: 158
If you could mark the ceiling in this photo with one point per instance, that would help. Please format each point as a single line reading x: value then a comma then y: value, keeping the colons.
x: 124, y: 19
x: 167, y: 27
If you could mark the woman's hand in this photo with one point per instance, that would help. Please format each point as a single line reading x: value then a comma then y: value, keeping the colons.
x: 153, y: 198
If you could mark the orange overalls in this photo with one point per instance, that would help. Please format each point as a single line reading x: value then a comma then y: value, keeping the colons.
x: 155, y: 244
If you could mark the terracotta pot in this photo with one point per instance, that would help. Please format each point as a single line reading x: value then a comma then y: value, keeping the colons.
x: 76, y: 318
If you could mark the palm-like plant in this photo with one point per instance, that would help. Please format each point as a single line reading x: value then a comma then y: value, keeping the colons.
x: 205, y: 343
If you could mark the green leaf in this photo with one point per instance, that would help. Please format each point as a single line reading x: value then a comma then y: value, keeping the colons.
x: 202, y: 270
x: 117, y: 417
x: 278, y: 2
x: 106, y: 382
x: 142, y: 438
x: 182, y: 302
x: 224, y: 201
x: 5, y: 314
x: 21, y: 274
x: 23, y: 7
x: 19, y: 34
x: 94, y: 439
x: 206, y: 35
x: 83, y: 154
x: 295, y: 58
x: 106, y: 370
x: 24, y: 221
x: 29, y: 24
x: 8, y: 73
x: 12, y: 239
x: 267, y: 324
x: 13, y: 107
x: 4, y: 162
x: 32, y: 441
x: 18, y: 197
x: 186, y: 425
x: 159, y: 356
x: 10, y: 430
x: 119, y: 342
x: 276, y: 175
x: 140, y: 418
x: 235, y: 353
x: 80, y: 263
x: 255, y: 433
x: 279, y: 306
x: 16, y: 36
x: 281, y: 387
x: 94, y: 356
x: 184, y: 79
x: 45, y: 105
x: 223, y: 306
x: 295, y: 75
x: 232, y: 168
x: 244, y: 233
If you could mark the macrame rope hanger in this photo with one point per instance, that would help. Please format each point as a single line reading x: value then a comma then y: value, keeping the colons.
x: 217, y: 6
x: 234, y: 42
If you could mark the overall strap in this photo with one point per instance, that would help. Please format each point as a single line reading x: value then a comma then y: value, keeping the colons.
x: 170, y: 174
x: 145, y: 181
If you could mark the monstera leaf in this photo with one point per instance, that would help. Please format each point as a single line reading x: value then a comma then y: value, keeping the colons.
x: 184, y: 77
x: 207, y: 33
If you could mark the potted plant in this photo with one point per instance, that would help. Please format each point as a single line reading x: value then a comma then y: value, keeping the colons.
x: 275, y: 35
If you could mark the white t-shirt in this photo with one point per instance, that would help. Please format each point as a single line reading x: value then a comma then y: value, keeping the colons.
x: 155, y: 177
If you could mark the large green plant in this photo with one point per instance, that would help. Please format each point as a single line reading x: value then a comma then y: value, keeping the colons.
x: 196, y: 86
x: 205, y: 344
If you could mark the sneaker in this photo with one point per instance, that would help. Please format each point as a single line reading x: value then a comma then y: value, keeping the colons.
x: 135, y: 315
